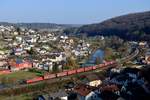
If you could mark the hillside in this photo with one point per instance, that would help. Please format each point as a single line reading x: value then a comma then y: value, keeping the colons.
x: 134, y: 26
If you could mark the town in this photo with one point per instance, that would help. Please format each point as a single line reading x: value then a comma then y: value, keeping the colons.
x: 27, y: 55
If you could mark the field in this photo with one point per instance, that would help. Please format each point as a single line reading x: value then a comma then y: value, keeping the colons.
x: 16, y: 76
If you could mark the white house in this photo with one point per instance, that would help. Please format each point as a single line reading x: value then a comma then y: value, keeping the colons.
x: 57, y: 58
x: 95, y: 83
x: 93, y: 95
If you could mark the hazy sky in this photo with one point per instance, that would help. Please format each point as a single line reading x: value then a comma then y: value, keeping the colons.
x: 68, y: 11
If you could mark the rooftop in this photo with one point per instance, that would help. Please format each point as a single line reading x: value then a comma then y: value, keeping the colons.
x: 83, y: 89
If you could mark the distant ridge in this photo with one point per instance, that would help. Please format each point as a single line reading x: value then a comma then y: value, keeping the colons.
x: 40, y: 25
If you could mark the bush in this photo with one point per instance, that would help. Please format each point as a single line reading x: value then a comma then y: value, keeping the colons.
x: 38, y: 72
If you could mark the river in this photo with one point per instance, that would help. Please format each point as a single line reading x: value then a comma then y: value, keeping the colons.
x: 92, y: 59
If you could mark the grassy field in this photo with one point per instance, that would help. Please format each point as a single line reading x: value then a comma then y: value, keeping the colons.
x: 19, y: 97
x: 15, y: 76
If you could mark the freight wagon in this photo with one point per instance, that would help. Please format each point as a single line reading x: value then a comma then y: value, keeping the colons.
x: 49, y: 76
x: 37, y: 79
x: 70, y: 72
x: 62, y: 74
x: 88, y: 69
x: 95, y: 67
x: 79, y: 70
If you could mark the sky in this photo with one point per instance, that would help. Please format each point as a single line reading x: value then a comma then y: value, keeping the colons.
x: 68, y: 11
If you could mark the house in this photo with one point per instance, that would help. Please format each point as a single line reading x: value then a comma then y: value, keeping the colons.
x: 19, y: 39
x: 115, y: 70
x: 46, y: 47
x: 31, y: 31
x: 40, y: 66
x: 47, y: 65
x: 147, y: 57
x: 2, y: 52
x: 15, y: 43
x: 64, y: 98
x: 3, y: 63
x: 57, y: 57
x: 15, y: 33
x: 40, y: 97
x: 93, y: 96
x: 59, y: 95
x: 93, y: 80
x: 3, y: 56
x: 30, y: 39
x: 111, y: 88
x: 27, y: 47
x: 69, y: 86
x: 18, y: 50
x: 86, y: 92
x: 42, y: 51
x: 107, y: 92
x: 51, y: 37
x: 143, y: 44
x: 95, y: 83
x: 64, y: 37
x: 19, y: 64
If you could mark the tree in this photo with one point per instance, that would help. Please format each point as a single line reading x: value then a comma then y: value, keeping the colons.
x: 108, y: 53
x: 71, y: 62
x: 31, y: 51
x: 14, y: 38
x: 18, y: 30
x: 3, y: 80
x: 55, y: 68
x: 98, y: 60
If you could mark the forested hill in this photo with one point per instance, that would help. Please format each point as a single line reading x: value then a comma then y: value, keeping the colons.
x: 135, y: 26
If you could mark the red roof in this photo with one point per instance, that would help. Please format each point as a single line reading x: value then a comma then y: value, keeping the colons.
x: 25, y: 64
x: 111, y: 88
x: 83, y: 90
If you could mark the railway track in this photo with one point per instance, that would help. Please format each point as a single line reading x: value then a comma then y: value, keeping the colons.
x: 129, y: 57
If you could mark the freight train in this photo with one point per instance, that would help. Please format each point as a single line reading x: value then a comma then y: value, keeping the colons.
x: 70, y: 72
